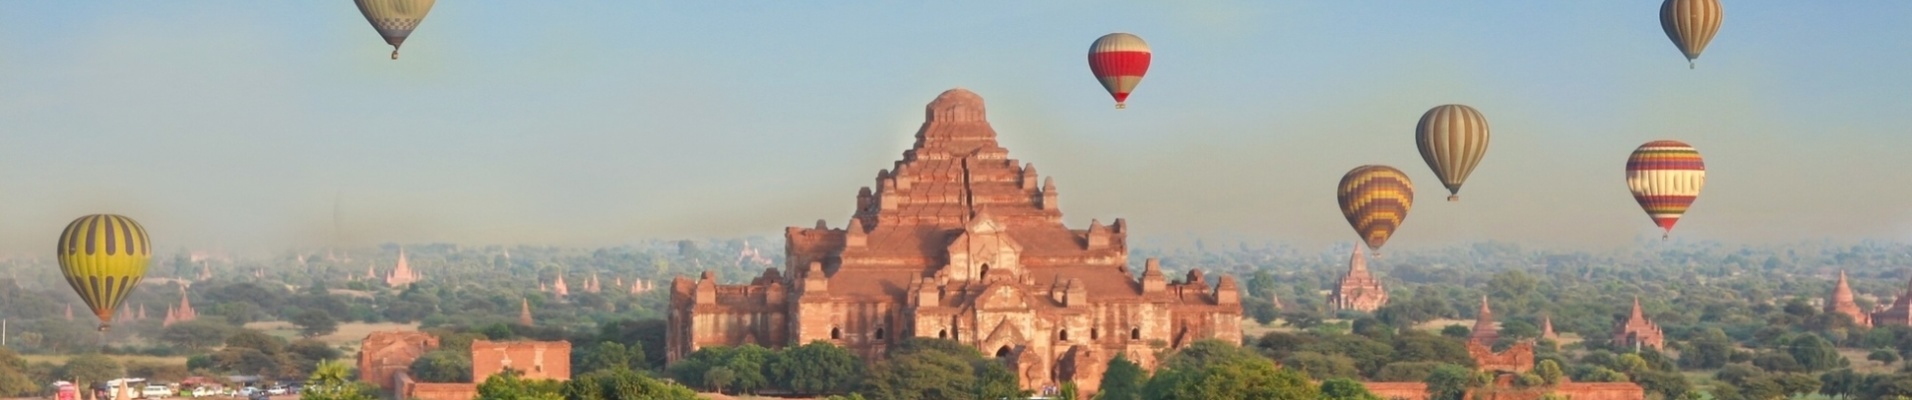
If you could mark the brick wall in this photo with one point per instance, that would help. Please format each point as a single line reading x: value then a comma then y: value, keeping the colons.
x: 413, y: 390
x: 1398, y: 390
x: 535, y: 360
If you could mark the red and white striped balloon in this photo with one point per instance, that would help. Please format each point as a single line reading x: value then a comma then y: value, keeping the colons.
x: 1119, y: 60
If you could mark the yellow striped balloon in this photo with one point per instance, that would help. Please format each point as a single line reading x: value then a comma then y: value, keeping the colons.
x: 1375, y: 198
x: 1691, y: 24
x: 395, y: 19
x: 104, y: 257
x: 1452, y: 138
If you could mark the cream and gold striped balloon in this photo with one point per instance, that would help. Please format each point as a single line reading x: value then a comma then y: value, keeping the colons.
x: 103, y: 257
x: 1375, y: 199
x: 1691, y: 24
x: 395, y: 19
x: 1665, y: 177
x: 1452, y: 139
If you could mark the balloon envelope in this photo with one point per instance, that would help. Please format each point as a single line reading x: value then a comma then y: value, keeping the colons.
x: 1119, y: 60
x: 395, y: 19
x: 1691, y: 24
x: 104, y: 257
x: 1375, y: 199
x: 1452, y: 139
x: 1665, y: 177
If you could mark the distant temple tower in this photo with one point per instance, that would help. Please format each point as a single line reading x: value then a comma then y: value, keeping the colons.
x: 1358, y: 289
x: 1485, y: 332
x: 181, y: 313
x: 1897, y: 314
x: 1546, y: 329
x: 1841, y: 303
x: 562, y: 289
x: 524, y: 312
x: 1636, y: 331
x: 402, y: 274
x: 958, y: 241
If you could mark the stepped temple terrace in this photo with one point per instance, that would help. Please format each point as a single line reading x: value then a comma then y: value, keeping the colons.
x: 959, y: 241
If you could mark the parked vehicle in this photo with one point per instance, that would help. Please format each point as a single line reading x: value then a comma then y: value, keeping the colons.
x: 155, y: 392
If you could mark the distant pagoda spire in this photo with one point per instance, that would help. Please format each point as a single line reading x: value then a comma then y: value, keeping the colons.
x: 1841, y: 303
x: 1484, y: 332
x: 561, y: 288
x: 524, y: 311
x: 1546, y: 328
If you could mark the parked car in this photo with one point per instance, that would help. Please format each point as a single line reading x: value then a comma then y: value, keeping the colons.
x: 276, y: 390
x: 155, y: 392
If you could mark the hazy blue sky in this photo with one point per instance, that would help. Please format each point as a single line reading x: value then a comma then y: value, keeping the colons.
x: 235, y: 123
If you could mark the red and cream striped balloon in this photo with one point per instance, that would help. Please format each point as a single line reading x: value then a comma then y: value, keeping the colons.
x: 1119, y: 60
x: 1665, y: 176
x: 1691, y: 24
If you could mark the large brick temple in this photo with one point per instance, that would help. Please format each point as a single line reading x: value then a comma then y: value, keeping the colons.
x: 959, y: 241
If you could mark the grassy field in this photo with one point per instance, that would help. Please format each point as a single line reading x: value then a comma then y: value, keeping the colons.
x: 1857, y: 358
x: 348, y: 334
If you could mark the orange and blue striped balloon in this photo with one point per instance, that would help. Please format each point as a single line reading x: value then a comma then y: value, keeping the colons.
x: 104, y: 257
x: 1665, y: 177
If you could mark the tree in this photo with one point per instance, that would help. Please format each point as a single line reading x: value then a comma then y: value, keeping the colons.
x: 1884, y: 357
x: 1455, y: 331
x: 611, y: 355
x: 196, y: 335
x: 1815, y: 353
x: 1449, y: 382
x: 92, y: 368
x: 924, y: 368
x: 315, y: 323
x: 1322, y: 366
x: 816, y: 368
x: 719, y: 377
x: 442, y: 366
x: 1345, y: 389
x: 1123, y: 380
x: 1712, y: 349
x: 1549, y: 372
x: 1231, y: 378
x: 623, y: 383
x: 13, y: 375
x: 253, y: 339
x: 509, y: 386
x: 333, y: 380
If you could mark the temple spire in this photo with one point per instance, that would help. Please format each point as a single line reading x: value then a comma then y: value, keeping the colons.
x: 524, y: 311
x: 1637, y: 314
x: 1358, y: 265
x: 1484, y: 332
x: 1546, y: 328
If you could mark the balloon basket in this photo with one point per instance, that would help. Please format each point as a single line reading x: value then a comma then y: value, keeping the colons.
x: 1120, y: 106
x: 1453, y: 198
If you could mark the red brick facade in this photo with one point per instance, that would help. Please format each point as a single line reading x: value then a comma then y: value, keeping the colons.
x: 383, y: 354
x: 1398, y: 390
x: 959, y: 241
x: 1358, y: 289
x: 1637, y: 331
x: 1841, y: 303
x: 534, y: 360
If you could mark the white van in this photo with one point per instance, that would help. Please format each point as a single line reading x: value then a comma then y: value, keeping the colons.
x: 155, y: 392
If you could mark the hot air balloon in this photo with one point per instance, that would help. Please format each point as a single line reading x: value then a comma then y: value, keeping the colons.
x: 1452, y: 138
x: 1691, y: 23
x: 395, y: 19
x: 1375, y: 198
x: 104, y: 257
x: 1119, y: 60
x: 1665, y: 176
